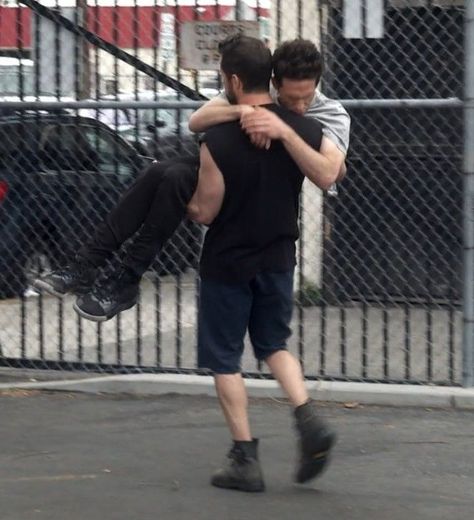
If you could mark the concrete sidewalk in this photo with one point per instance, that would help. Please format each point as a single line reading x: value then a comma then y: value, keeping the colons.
x: 95, y: 457
x: 162, y: 384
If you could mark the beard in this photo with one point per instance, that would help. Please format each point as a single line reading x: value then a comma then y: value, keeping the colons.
x: 231, y: 97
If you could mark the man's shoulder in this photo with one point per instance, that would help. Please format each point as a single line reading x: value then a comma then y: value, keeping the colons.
x: 334, y: 118
x: 228, y: 125
x: 328, y: 111
x: 323, y: 103
x: 222, y: 130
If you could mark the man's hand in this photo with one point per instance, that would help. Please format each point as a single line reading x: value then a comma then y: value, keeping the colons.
x: 257, y: 139
x: 264, y: 124
x: 260, y: 140
x: 245, y: 110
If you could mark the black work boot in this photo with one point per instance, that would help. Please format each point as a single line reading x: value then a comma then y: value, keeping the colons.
x: 242, y: 470
x: 315, y: 442
x: 78, y: 277
x: 109, y: 296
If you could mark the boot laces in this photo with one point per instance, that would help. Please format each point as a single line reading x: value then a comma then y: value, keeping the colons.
x: 109, y: 287
x: 74, y: 270
x: 238, y: 456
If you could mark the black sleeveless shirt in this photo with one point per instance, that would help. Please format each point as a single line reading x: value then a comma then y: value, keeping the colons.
x: 257, y: 226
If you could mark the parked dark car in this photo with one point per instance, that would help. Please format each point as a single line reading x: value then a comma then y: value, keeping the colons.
x: 59, y: 175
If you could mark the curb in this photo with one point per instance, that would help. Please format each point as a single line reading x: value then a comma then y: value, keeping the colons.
x: 329, y: 391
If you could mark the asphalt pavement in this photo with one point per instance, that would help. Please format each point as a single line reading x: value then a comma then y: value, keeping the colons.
x: 95, y: 457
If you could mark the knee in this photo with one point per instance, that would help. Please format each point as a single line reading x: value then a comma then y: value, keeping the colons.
x: 182, y: 177
x: 153, y: 175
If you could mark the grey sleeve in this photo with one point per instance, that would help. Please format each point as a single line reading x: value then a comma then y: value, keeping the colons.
x: 335, y: 120
x: 339, y: 132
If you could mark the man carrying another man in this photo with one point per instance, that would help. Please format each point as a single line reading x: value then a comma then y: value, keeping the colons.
x: 153, y: 207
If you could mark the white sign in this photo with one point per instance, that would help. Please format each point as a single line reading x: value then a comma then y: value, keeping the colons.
x: 199, y: 41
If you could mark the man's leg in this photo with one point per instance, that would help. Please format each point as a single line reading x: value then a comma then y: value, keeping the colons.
x: 167, y: 211
x: 269, y: 330
x: 223, y: 318
x: 233, y: 399
x: 119, y: 291
x: 122, y: 222
x: 287, y: 371
x: 126, y: 218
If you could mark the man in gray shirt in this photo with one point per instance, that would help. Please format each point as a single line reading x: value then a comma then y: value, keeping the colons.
x: 299, y: 95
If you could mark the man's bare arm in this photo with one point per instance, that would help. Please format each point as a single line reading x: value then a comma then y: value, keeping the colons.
x: 342, y: 171
x: 207, y: 199
x: 219, y: 110
x: 323, y: 168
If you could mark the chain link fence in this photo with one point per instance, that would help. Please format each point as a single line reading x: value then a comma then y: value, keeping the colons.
x: 379, y: 283
x: 395, y: 240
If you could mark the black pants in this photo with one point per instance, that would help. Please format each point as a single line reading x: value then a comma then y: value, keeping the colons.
x: 149, y: 211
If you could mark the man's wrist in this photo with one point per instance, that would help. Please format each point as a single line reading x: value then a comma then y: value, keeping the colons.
x: 242, y: 110
x: 287, y: 134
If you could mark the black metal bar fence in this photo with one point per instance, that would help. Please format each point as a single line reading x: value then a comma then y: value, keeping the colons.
x: 379, y: 283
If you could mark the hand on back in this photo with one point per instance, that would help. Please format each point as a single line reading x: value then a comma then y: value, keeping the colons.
x: 262, y: 126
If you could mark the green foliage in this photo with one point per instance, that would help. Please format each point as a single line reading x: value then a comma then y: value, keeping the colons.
x: 309, y: 295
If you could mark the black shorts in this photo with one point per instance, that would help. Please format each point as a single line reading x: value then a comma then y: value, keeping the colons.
x: 263, y: 306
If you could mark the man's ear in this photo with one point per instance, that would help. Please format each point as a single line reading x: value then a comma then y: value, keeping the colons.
x: 236, y: 83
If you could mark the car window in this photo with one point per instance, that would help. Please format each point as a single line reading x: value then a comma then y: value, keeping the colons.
x: 18, y: 145
x: 113, y: 156
x: 63, y: 147
x: 10, y: 141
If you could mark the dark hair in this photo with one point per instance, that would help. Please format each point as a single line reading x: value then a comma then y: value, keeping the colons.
x: 297, y: 59
x: 249, y: 59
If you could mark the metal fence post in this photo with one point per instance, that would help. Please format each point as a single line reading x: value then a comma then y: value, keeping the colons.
x: 468, y: 213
